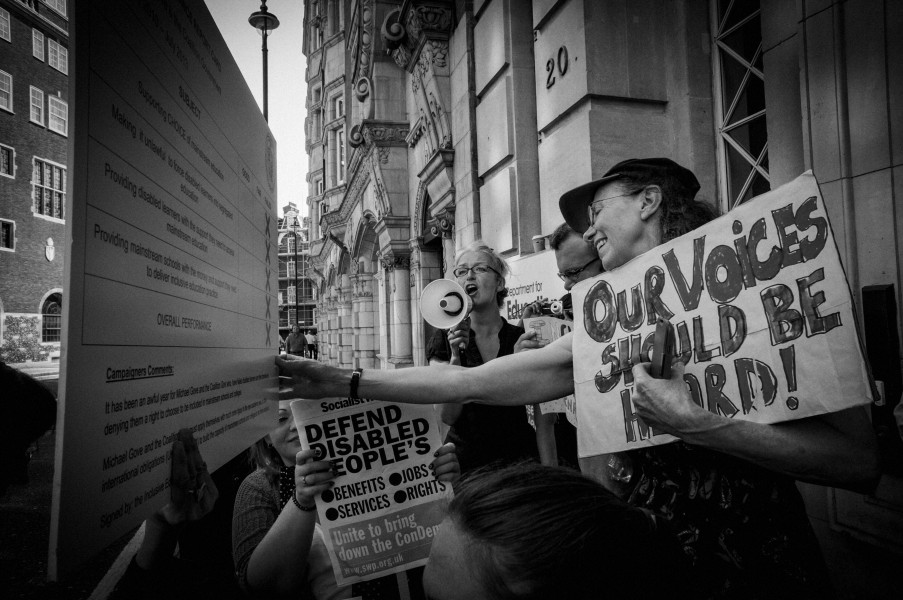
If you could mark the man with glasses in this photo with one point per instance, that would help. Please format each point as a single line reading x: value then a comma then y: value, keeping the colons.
x: 556, y: 438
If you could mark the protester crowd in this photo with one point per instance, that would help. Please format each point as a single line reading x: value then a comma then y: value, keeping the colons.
x: 715, y: 514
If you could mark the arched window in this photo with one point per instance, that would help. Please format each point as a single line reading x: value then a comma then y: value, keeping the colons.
x: 52, y: 317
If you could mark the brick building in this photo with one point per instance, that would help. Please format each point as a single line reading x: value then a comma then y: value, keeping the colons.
x: 34, y: 128
x: 296, y: 300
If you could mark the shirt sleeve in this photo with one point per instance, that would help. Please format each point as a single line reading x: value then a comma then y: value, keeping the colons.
x: 254, y: 513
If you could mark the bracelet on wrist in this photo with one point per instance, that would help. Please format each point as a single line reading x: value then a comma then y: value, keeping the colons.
x: 310, y: 508
x: 355, y: 380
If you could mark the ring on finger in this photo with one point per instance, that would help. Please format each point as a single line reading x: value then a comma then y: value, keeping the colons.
x: 304, y: 479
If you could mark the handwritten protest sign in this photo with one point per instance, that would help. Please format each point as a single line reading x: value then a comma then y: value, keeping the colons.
x: 761, y: 312
x: 385, y: 508
x: 550, y: 329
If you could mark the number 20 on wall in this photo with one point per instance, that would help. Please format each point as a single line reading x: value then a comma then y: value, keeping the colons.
x: 561, y: 63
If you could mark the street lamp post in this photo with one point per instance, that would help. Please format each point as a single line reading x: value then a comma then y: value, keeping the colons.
x: 265, y: 22
x: 297, y: 291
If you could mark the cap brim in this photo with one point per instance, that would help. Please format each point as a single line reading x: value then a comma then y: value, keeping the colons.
x: 573, y: 204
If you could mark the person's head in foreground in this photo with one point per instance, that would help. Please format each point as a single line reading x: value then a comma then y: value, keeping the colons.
x: 481, y: 272
x: 529, y: 531
x: 637, y: 205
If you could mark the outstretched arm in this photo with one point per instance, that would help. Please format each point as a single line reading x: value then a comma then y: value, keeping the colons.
x: 513, y: 380
x: 837, y: 449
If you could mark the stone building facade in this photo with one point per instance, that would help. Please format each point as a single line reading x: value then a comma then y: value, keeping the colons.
x: 34, y: 129
x: 296, y: 299
x: 468, y: 119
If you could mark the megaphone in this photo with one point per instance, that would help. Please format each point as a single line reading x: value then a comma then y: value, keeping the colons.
x: 444, y: 304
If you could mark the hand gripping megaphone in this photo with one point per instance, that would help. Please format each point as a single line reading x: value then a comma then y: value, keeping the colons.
x: 444, y: 304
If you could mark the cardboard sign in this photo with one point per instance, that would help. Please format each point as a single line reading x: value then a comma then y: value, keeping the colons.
x: 171, y: 279
x: 385, y: 508
x: 762, y: 316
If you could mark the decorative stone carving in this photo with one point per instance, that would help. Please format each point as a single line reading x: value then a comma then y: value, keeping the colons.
x: 443, y: 226
x: 392, y: 261
x: 361, y: 44
x: 406, y: 33
x: 438, y: 52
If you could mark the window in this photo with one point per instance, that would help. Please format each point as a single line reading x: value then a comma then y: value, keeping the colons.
x: 291, y: 268
x: 740, y: 101
x: 37, y: 44
x: 319, y: 187
x: 7, y: 161
x: 291, y: 294
x: 59, y: 115
x: 338, y: 107
x: 57, y: 5
x: 6, y: 91
x: 59, y: 56
x: 7, y: 235
x: 49, y: 182
x: 340, y: 154
x: 4, y: 25
x: 290, y: 243
x: 52, y: 317
x: 37, y: 105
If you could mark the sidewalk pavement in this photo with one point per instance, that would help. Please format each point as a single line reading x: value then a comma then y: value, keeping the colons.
x: 25, y: 535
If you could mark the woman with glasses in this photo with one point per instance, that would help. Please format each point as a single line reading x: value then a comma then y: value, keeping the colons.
x: 482, y: 434
x: 728, y: 487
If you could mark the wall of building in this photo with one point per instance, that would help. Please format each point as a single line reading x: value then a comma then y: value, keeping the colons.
x: 32, y: 271
x: 537, y: 102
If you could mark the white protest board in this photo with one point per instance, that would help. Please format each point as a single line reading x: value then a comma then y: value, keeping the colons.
x: 171, y: 278
x: 550, y: 329
x: 532, y: 277
x: 385, y: 508
x: 762, y: 314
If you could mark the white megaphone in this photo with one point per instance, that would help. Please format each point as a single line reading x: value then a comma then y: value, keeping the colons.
x: 444, y: 304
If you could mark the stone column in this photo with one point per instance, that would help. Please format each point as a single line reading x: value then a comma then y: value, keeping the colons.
x: 399, y: 289
x: 329, y: 336
x: 363, y: 320
x: 346, y: 331
x: 417, y: 348
x: 384, y: 335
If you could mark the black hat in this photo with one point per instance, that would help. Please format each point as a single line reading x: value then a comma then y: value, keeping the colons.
x: 573, y: 203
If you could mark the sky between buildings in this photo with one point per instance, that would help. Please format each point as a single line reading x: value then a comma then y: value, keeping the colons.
x: 287, y: 89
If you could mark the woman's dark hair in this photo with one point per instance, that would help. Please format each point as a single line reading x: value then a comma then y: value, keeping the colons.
x: 547, y: 532
x: 264, y: 456
x: 679, y: 212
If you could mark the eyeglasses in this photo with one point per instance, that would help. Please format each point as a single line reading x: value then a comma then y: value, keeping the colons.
x: 571, y: 274
x: 593, y: 213
x: 479, y: 269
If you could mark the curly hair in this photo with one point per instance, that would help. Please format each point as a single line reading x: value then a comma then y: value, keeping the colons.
x: 679, y: 212
x: 493, y: 259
